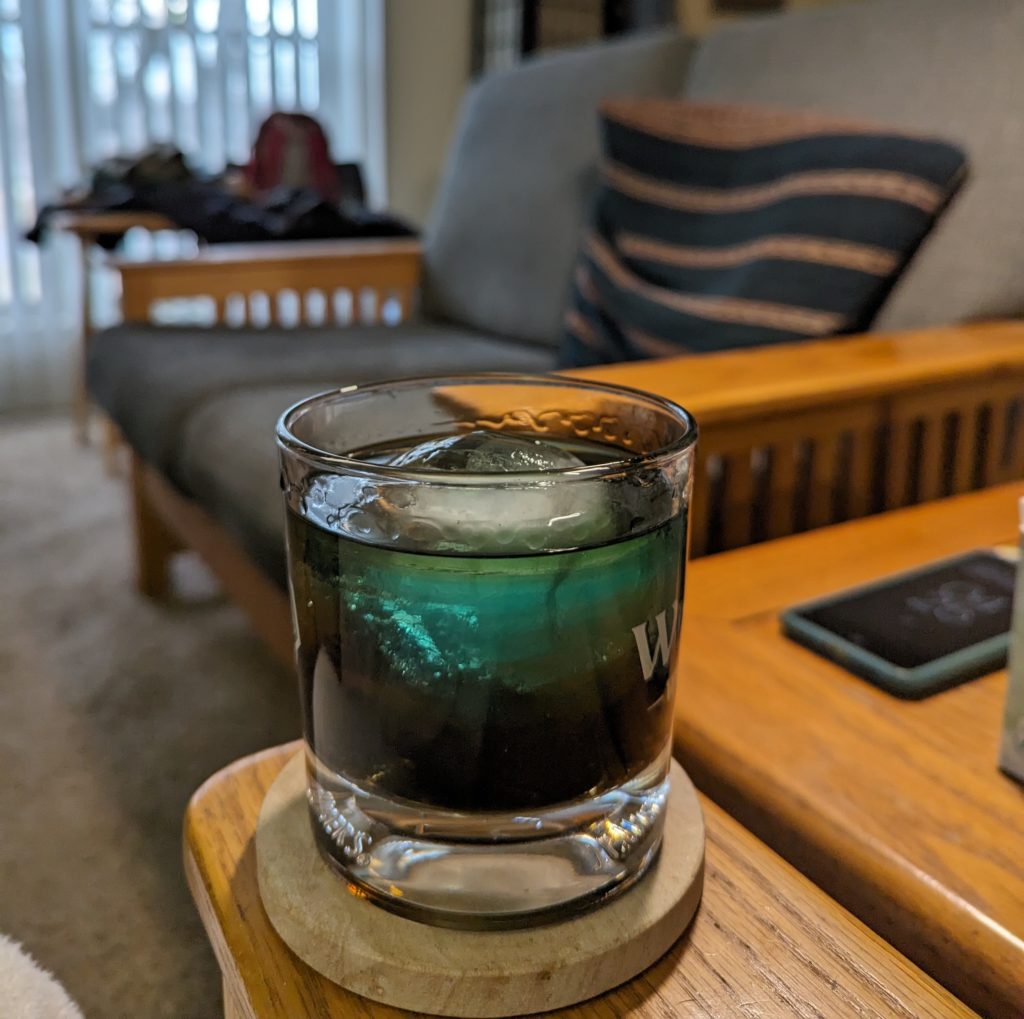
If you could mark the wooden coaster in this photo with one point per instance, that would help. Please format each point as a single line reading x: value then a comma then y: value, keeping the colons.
x: 471, y: 973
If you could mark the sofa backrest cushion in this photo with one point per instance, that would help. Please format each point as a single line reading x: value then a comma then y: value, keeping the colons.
x: 947, y: 67
x: 505, y: 228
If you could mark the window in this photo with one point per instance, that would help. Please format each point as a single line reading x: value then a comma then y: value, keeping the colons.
x: 81, y: 80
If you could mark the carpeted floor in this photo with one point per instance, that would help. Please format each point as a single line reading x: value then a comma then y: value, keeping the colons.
x: 112, y: 710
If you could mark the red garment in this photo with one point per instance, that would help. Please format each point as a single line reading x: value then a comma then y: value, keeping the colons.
x: 291, y: 151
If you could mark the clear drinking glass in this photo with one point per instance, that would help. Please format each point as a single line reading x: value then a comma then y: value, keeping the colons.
x: 487, y: 579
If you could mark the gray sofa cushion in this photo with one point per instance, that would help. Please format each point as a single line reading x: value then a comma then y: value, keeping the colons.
x: 946, y: 67
x: 505, y: 227
x: 150, y: 379
x: 228, y: 463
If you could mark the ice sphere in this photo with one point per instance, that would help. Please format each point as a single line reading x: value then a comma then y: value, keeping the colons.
x: 481, y: 452
x: 508, y: 517
x: 505, y: 517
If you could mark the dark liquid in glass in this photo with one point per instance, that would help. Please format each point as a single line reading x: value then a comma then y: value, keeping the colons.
x: 486, y: 682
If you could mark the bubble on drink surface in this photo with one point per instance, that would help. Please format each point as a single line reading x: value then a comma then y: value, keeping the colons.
x: 486, y: 518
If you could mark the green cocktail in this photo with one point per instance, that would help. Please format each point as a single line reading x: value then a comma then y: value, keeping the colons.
x: 486, y: 630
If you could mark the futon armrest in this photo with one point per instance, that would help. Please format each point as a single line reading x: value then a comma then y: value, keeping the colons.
x: 390, y: 267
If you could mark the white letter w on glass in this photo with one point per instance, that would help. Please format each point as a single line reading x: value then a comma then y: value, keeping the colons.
x: 663, y: 645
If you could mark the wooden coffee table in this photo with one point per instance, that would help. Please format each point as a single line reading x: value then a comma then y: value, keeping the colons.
x: 765, y: 942
x: 896, y: 808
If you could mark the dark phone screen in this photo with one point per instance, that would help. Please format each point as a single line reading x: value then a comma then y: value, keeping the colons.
x: 914, y: 620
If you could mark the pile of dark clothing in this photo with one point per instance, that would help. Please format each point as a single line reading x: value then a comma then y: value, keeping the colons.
x: 227, y: 208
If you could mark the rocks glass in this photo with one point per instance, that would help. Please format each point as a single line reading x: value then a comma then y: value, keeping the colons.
x: 487, y: 579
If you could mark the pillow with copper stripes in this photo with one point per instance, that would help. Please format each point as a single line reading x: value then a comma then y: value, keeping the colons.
x: 720, y: 226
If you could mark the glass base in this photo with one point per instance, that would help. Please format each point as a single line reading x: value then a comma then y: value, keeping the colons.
x: 488, y: 871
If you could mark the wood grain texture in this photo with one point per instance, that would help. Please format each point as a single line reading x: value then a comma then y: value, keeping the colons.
x: 895, y: 807
x: 89, y: 225
x: 860, y: 472
x: 471, y: 973
x: 226, y: 270
x: 734, y: 385
x: 967, y: 459
x: 738, y: 499
x: 700, y: 505
x: 824, y: 479
x: 780, y: 514
x: 765, y: 942
x: 166, y: 520
x: 155, y: 541
x: 897, y: 407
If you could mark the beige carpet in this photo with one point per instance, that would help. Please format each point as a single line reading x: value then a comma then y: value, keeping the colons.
x: 112, y: 710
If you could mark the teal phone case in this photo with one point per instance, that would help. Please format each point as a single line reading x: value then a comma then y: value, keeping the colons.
x: 919, y: 681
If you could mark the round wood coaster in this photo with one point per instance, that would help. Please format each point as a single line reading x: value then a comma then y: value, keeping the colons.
x: 471, y: 973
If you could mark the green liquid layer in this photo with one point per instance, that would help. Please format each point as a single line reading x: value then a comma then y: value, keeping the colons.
x: 485, y: 683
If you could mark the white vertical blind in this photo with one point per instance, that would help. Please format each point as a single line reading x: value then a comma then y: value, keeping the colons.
x: 82, y: 80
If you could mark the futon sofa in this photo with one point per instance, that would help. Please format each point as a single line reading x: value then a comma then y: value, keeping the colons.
x: 486, y: 289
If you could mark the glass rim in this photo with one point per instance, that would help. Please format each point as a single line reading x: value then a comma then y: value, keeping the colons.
x: 314, y: 455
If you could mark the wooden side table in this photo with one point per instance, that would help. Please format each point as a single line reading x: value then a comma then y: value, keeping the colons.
x: 765, y: 942
x: 896, y: 808
x: 87, y: 227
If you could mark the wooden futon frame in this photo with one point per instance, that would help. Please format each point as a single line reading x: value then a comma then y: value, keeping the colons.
x: 791, y: 437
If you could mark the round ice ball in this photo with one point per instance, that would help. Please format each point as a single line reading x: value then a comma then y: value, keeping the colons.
x: 507, y: 517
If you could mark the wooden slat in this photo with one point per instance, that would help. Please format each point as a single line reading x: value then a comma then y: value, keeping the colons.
x: 226, y: 269
x: 1015, y: 466
x: 929, y: 462
x: 899, y: 465
x: 135, y: 303
x: 404, y: 296
x: 700, y: 502
x: 738, y: 500
x: 739, y: 386
x: 860, y: 481
x: 995, y: 471
x: 275, y: 253
x: 89, y: 225
x: 155, y: 540
x: 966, y: 451
x: 822, y: 492
x: 183, y: 522
x: 792, y: 426
x: 782, y: 488
x: 965, y: 398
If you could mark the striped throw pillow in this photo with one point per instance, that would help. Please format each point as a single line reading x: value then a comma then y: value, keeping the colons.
x: 721, y: 226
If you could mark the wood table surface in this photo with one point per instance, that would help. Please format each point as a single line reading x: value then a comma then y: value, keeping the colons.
x: 765, y: 943
x: 896, y: 808
x: 92, y: 223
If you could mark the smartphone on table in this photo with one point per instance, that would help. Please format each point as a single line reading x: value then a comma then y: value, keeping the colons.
x: 917, y: 632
